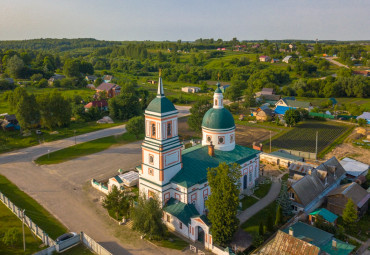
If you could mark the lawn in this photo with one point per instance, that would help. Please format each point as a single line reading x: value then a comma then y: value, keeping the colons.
x: 172, y: 241
x: 84, y: 149
x: 252, y: 224
x: 263, y: 189
x: 77, y: 250
x: 34, y: 210
x: 303, y: 136
x: 9, y: 220
x: 13, y: 140
x: 248, y: 201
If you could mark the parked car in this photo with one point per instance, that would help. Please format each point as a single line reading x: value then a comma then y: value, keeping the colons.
x: 65, y: 236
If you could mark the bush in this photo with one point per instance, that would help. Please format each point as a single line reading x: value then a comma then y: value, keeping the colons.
x: 11, y: 237
x: 136, y: 126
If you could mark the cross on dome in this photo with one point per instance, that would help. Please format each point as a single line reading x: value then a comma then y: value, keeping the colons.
x: 160, y: 91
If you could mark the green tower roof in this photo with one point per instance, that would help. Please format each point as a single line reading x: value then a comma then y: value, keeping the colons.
x: 218, y: 90
x: 218, y: 119
x: 161, y: 105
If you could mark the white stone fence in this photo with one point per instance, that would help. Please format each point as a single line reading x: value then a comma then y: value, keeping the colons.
x: 99, y: 186
x: 93, y: 245
x: 29, y: 223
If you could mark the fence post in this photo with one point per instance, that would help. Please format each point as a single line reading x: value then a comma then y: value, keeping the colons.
x: 37, y: 230
x: 43, y: 237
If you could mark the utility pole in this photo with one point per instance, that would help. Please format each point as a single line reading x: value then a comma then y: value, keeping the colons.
x: 270, y: 141
x: 24, y: 239
x: 317, y: 138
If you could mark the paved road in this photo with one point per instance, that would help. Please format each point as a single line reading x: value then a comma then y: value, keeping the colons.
x: 265, y: 201
x: 63, y: 189
x: 184, y: 110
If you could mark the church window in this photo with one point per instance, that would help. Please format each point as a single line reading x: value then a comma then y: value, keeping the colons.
x: 169, y: 129
x: 180, y: 225
x: 216, y: 102
x: 221, y: 140
x: 231, y: 138
x: 250, y: 176
x: 150, y: 171
x: 151, y: 159
x: 151, y: 194
x: 209, y: 138
x: 153, y: 129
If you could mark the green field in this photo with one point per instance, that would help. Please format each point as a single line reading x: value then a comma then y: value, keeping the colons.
x: 34, y: 210
x: 303, y: 136
x: 84, y: 149
x: 9, y: 220
x: 342, y: 100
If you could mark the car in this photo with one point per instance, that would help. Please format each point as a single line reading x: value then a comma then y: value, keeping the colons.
x: 65, y: 236
x: 38, y: 132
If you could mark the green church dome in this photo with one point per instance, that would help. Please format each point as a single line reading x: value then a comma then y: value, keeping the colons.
x: 218, y: 119
x: 161, y: 105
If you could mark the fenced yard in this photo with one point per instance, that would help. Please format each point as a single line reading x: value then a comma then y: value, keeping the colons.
x: 303, y: 136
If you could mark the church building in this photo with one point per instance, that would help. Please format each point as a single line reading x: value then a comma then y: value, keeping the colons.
x: 177, y: 176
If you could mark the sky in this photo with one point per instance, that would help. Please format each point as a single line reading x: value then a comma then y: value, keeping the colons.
x: 188, y: 20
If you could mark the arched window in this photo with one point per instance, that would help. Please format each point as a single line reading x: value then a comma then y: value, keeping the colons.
x: 216, y: 102
x: 153, y: 129
x: 151, y: 159
x: 169, y: 129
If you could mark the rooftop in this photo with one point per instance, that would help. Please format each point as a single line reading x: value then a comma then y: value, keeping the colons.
x: 196, y: 161
x: 353, y: 167
x: 353, y: 191
x: 326, y: 214
x: 284, y: 154
x: 184, y: 212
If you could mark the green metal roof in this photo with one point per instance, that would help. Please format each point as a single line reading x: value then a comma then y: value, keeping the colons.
x: 118, y: 179
x: 327, y: 215
x: 286, y: 155
x: 161, y: 105
x: 196, y: 161
x: 218, y: 90
x: 319, y: 238
x: 218, y: 119
x: 184, y: 212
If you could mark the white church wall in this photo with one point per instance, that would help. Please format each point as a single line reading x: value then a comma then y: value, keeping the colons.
x: 175, y: 224
x: 228, y: 137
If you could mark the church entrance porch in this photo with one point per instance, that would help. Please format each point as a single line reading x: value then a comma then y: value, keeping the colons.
x: 200, y: 232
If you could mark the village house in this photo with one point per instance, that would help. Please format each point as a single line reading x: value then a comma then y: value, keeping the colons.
x: 265, y: 115
x: 56, y: 77
x: 91, y: 78
x: 102, y: 105
x: 90, y: 86
x: 110, y: 89
x: 365, y: 116
x: 327, y: 216
x: 287, y: 59
x: 354, y: 169
x: 190, y: 89
x: 107, y: 78
x: 9, y: 123
x: 264, y: 59
x: 297, y: 171
x: 177, y: 176
x: 294, y: 104
x: 128, y: 179
x: 280, y: 110
x: 338, y: 198
x: 151, y: 81
x: 301, y: 238
x: 319, y: 182
x: 275, y: 60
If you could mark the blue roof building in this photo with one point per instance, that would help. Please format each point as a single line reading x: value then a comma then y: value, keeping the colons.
x: 282, y: 109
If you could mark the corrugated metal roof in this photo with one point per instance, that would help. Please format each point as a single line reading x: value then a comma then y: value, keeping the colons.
x: 353, y: 191
x: 327, y: 215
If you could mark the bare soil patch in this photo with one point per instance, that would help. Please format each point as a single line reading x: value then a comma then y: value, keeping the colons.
x: 348, y: 150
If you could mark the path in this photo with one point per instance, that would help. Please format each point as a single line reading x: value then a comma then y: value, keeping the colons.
x: 364, y: 248
x: 263, y: 202
x: 331, y: 60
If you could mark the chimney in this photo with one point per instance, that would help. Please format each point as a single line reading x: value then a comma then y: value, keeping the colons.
x: 211, y: 150
x: 291, y: 232
x: 334, y: 243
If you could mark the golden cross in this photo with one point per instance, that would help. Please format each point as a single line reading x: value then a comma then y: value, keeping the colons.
x: 218, y: 76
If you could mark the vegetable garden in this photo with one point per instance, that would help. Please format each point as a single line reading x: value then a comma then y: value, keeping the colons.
x: 303, y: 136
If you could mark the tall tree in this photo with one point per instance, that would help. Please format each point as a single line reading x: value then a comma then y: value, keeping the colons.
x: 136, y: 126
x: 118, y: 201
x: 292, y: 117
x: 224, y: 182
x: 27, y: 112
x: 71, y: 68
x: 279, y: 216
x: 197, y: 112
x: 350, y: 214
x: 284, y: 201
x: 15, y: 66
x: 147, y: 218
x: 56, y: 111
x: 126, y: 105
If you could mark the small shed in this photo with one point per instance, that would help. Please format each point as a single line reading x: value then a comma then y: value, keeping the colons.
x: 327, y: 215
x: 128, y: 179
x: 354, y: 168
